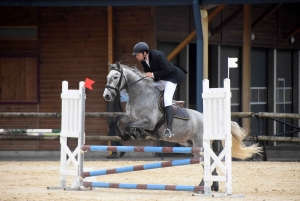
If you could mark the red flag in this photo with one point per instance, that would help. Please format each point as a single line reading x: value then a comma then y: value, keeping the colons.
x: 88, y: 83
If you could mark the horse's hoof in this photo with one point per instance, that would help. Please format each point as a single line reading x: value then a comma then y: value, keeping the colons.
x: 125, y: 137
x: 144, y: 134
x: 215, y: 186
x: 136, y: 136
x: 199, y: 192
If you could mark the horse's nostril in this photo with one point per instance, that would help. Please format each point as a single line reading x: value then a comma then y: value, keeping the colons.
x: 107, y: 97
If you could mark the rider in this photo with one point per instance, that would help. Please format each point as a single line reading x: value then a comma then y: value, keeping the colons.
x: 157, y: 66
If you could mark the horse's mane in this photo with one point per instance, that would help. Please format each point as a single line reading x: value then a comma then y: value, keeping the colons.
x: 132, y: 68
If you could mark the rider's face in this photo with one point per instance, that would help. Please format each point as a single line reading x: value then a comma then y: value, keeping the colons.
x: 140, y: 56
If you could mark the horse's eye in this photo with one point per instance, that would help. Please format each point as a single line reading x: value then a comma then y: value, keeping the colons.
x: 116, y: 77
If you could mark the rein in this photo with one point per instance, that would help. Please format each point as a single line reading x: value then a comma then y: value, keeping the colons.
x: 128, y: 85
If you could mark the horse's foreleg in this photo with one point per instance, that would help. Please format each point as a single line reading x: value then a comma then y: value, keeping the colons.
x: 141, y: 124
x: 137, y: 128
x: 118, y: 120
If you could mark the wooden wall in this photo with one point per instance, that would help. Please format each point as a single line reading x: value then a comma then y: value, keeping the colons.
x: 131, y: 25
x: 73, y: 46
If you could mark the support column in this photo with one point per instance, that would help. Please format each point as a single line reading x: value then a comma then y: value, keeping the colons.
x: 246, y: 68
x: 296, y: 85
x: 110, y: 34
x: 204, y: 20
x: 110, y: 41
x: 199, y: 66
x: 272, y: 75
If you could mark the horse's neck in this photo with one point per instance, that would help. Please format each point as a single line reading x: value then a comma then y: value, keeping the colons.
x: 141, y: 90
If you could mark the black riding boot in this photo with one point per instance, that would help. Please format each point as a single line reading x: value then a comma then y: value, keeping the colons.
x: 169, y: 118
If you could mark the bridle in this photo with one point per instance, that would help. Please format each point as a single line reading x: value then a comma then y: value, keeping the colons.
x: 117, y: 87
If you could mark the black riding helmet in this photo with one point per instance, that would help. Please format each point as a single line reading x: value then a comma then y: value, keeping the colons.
x: 140, y: 47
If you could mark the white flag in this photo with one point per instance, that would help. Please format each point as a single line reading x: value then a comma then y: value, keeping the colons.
x: 232, y: 62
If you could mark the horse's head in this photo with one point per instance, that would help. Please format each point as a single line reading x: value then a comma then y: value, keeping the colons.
x: 116, y: 81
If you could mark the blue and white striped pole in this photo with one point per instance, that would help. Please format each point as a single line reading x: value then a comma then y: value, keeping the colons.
x: 143, y: 186
x: 143, y: 149
x: 142, y: 167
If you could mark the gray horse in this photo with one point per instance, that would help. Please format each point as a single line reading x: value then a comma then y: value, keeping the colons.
x: 142, y: 115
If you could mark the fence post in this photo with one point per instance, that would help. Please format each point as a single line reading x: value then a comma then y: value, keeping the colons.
x: 72, y: 125
x: 217, y: 126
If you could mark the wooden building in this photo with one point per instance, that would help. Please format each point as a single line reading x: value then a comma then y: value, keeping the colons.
x: 41, y: 46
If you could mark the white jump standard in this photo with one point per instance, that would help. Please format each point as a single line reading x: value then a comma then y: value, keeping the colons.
x: 217, y: 126
x: 72, y: 126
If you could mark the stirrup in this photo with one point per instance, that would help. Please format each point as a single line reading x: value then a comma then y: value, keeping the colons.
x: 168, y: 133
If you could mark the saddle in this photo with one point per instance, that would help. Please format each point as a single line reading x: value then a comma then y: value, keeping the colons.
x: 178, y: 110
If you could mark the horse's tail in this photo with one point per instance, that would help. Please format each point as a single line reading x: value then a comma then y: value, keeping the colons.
x: 239, y: 149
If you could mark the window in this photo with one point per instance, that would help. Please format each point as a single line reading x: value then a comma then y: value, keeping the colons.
x: 258, y: 95
x: 19, y: 65
x: 19, y: 32
x: 284, y: 93
x: 235, y: 96
x: 18, y: 79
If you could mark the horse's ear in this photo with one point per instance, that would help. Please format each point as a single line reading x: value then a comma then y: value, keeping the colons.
x: 109, y: 65
x: 118, y: 65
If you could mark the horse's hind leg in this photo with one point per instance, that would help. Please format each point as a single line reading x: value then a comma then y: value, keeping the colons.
x: 215, y: 184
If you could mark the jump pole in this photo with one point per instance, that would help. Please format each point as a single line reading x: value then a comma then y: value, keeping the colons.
x: 142, y: 149
x: 55, y: 136
x: 142, y: 167
x: 144, y: 186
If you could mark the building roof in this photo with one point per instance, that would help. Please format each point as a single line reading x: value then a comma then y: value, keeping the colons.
x: 204, y: 3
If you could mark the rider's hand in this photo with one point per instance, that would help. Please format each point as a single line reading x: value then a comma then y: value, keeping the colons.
x: 149, y: 74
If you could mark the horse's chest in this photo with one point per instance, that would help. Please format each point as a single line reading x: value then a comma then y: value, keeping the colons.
x: 141, y: 113
x: 134, y: 114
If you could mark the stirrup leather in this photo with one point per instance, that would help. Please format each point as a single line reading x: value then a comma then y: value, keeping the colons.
x: 168, y: 133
